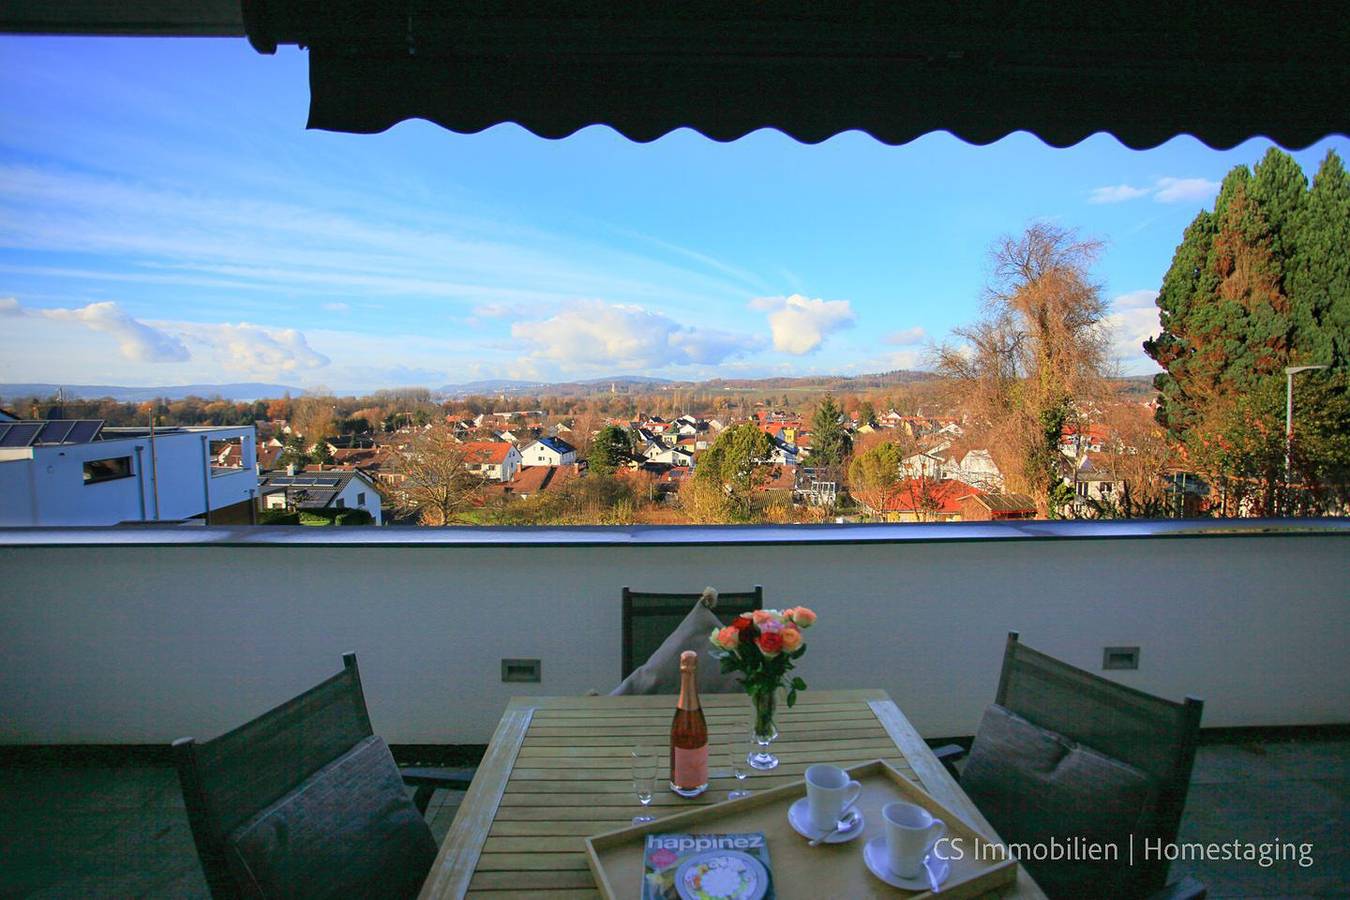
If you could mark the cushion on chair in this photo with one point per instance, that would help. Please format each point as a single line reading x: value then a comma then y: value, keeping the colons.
x: 660, y: 674
x: 349, y: 830
x: 1035, y: 786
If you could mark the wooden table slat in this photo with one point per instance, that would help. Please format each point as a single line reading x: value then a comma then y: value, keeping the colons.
x: 558, y: 770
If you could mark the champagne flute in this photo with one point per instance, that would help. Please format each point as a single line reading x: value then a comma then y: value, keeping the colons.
x: 644, y: 781
x: 738, y: 753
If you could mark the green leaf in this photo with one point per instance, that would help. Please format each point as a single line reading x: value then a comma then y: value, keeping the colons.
x: 792, y: 698
x: 798, y: 684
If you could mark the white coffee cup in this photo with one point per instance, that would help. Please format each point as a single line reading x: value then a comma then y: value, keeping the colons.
x: 829, y: 793
x: 911, y: 831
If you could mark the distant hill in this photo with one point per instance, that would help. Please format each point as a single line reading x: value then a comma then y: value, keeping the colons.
x: 242, y: 391
x: 588, y: 386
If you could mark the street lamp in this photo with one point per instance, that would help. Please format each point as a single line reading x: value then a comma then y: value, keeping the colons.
x: 1289, y: 373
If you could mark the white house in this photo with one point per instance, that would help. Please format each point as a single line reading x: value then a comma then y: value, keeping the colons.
x: 548, y: 451
x: 978, y: 468
x: 497, y: 460
x: 77, y: 472
x: 930, y: 464
x: 673, y: 456
x: 784, y: 454
x: 322, y: 490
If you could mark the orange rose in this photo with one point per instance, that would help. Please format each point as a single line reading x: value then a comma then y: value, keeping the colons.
x: 802, y: 617
x: 792, y: 638
x: 728, y: 638
x: 760, y: 616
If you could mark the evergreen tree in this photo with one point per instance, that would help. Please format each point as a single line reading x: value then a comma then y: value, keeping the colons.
x: 1320, y: 275
x: 607, y: 450
x: 321, y: 454
x: 830, y: 444
x: 294, y: 452
x: 1259, y: 283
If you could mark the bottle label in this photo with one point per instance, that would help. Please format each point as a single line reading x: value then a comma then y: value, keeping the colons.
x: 691, y: 767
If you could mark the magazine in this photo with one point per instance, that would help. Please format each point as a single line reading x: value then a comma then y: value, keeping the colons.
x: 711, y: 866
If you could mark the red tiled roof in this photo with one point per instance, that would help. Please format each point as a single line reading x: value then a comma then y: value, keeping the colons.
x: 941, y: 496
x: 491, y: 452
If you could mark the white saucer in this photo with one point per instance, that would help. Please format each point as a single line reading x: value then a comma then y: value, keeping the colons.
x: 874, y: 854
x: 801, y: 823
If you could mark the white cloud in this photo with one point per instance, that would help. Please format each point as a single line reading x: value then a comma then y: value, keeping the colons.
x: 251, y: 348
x: 136, y: 340
x: 907, y: 337
x: 1133, y: 319
x: 1163, y: 190
x: 592, y: 334
x: 800, y: 324
x: 1118, y: 193
x: 1185, y: 190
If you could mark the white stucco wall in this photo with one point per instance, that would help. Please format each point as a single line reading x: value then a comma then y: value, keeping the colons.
x: 45, y: 485
x: 142, y: 643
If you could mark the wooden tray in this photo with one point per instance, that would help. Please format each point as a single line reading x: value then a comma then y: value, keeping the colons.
x: 827, y: 870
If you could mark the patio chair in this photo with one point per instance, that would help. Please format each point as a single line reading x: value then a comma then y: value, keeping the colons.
x: 305, y: 801
x: 649, y: 617
x: 1064, y: 751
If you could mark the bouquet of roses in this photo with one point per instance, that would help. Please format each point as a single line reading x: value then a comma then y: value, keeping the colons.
x: 762, y: 646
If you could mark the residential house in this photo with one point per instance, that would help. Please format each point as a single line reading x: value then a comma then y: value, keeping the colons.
x: 925, y: 500
x: 495, y: 460
x: 532, y: 480
x: 78, y: 472
x: 978, y: 468
x: 783, y: 453
x: 994, y: 507
x: 1093, y: 482
x: 321, y: 490
x: 548, y: 451
x: 931, y: 463
x: 671, y: 456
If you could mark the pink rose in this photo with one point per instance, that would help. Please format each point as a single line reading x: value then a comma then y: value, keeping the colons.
x: 760, y: 616
x: 802, y: 617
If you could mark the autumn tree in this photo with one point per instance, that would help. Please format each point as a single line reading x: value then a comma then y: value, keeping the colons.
x: 312, y: 415
x: 1039, y: 351
x: 435, y: 481
x: 874, y: 475
x: 736, y: 465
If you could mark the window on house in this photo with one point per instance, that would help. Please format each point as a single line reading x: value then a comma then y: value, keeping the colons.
x: 227, y: 455
x: 96, y: 470
x: 341, y: 504
x: 361, y: 498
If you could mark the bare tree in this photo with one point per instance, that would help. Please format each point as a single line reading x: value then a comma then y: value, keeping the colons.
x: 436, y: 482
x: 313, y: 416
x: 1037, y: 358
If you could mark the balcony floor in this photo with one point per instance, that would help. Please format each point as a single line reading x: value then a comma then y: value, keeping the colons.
x: 101, y: 832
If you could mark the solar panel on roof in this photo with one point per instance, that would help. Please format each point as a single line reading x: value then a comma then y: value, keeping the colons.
x: 55, y: 431
x: 20, y: 434
x: 84, y: 431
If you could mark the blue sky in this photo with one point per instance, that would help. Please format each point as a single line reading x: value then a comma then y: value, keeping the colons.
x: 165, y: 218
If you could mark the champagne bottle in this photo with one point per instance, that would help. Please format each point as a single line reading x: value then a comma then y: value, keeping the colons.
x: 688, y: 734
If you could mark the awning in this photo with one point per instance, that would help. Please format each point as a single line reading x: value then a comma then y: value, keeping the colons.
x: 1144, y: 72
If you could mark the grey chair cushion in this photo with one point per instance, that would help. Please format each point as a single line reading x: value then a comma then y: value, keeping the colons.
x: 349, y: 830
x: 660, y: 674
x: 1036, y: 787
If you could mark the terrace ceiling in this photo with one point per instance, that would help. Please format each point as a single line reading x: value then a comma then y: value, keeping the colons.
x: 1145, y: 72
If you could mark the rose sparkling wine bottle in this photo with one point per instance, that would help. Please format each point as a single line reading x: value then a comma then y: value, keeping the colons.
x: 688, y: 734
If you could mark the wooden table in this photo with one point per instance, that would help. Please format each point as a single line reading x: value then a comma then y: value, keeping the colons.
x: 558, y: 769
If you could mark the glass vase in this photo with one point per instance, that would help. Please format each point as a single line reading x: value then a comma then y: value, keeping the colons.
x: 766, y: 704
